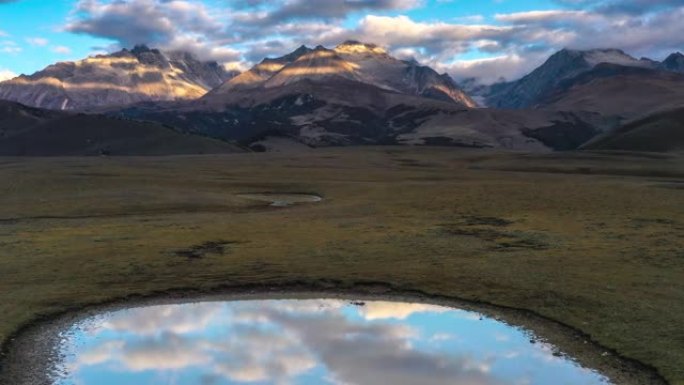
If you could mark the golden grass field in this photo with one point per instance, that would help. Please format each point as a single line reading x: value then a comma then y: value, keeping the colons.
x: 595, y: 241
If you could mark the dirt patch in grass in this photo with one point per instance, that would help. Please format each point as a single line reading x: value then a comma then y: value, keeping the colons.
x: 479, y: 233
x: 516, y: 241
x: 496, y: 231
x: 503, y: 240
x: 205, y: 249
x: 641, y: 222
x: 415, y: 163
x: 474, y: 220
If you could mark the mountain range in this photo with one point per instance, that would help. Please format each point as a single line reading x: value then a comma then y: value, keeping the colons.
x: 357, y: 93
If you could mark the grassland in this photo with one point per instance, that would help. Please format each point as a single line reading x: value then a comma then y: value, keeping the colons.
x: 593, y: 240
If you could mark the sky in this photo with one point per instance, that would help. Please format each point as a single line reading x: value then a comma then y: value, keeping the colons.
x: 485, y: 39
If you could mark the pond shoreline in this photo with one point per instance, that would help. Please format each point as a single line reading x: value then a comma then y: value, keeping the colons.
x: 30, y: 355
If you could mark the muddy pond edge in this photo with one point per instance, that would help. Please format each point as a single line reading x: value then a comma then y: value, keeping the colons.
x: 30, y: 354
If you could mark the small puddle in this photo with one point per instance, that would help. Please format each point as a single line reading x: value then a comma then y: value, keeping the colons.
x: 282, y: 200
x: 308, y: 342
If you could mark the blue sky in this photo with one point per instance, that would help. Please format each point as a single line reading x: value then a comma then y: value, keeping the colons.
x: 480, y: 38
x: 23, y: 21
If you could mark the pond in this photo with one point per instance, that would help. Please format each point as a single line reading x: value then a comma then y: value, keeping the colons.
x: 282, y: 200
x: 326, y: 341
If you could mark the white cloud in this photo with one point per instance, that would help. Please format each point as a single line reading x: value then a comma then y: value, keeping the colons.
x: 440, y: 337
x: 377, y: 310
x: 470, y: 19
x: 403, y: 31
x: 491, y: 70
x: 10, y: 47
x: 6, y: 74
x: 541, y: 16
x: 60, y: 49
x: 37, y: 41
x: 172, y: 319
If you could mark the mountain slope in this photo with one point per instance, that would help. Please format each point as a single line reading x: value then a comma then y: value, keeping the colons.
x: 345, y: 112
x: 532, y: 89
x: 122, y: 78
x: 378, y: 68
x: 256, y: 76
x: 661, y: 132
x: 26, y: 131
x: 622, y: 92
x: 337, y: 111
x: 674, y: 63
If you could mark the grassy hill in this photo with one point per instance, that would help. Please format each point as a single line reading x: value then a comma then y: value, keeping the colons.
x: 661, y: 132
x: 26, y: 131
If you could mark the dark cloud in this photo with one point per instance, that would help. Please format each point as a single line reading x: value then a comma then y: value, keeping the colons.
x: 177, y: 25
x: 304, y: 9
x: 242, y: 4
x: 142, y: 21
x: 623, y: 6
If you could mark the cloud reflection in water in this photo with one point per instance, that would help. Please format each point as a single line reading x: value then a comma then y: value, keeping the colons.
x: 308, y: 342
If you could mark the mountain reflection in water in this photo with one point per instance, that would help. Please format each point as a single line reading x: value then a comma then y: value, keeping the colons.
x: 308, y: 342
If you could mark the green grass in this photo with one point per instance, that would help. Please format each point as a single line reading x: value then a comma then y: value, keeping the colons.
x: 595, y: 241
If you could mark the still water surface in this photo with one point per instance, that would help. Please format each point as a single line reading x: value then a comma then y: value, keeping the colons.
x: 283, y: 200
x: 308, y: 342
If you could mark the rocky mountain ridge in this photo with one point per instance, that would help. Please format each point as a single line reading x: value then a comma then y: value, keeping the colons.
x: 352, y: 60
x: 530, y: 90
x: 121, y: 78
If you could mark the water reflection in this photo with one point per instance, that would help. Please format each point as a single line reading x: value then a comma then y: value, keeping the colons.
x: 283, y: 200
x: 309, y: 342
